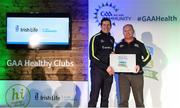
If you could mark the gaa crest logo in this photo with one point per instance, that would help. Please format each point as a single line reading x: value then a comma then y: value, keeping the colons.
x: 107, y: 10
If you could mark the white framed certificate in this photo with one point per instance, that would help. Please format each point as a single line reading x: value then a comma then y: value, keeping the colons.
x: 125, y: 63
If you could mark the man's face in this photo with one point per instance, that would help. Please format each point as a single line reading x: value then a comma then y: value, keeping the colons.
x: 128, y: 32
x: 106, y: 26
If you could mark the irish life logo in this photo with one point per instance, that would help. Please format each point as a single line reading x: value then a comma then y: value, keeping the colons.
x: 17, y: 96
x: 25, y: 29
x: 108, y: 10
x: 17, y: 28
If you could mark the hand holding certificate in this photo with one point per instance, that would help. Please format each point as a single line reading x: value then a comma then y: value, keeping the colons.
x: 125, y: 63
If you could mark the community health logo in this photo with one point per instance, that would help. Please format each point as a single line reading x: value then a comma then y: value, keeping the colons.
x: 17, y: 96
x: 108, y: 10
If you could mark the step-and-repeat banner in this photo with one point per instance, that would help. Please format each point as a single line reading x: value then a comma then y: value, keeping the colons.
x: 157, y: 25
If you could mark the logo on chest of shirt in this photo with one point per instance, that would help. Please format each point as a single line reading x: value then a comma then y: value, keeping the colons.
x: 102, y: 41
x: 111, y: 40
x: 136, y: 45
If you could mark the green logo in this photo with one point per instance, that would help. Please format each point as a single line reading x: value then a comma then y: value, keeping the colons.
x: 18, y: 96
x: 123, y: 64
x: 151, y: 74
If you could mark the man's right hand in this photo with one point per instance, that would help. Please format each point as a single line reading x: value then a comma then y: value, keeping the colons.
x: 110, y: 70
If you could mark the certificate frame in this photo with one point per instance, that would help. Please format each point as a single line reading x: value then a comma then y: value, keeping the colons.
x: 123, y: 63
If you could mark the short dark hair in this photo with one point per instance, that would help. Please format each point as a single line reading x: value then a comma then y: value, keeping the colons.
x: 105, y: 19
x: 130, y: 25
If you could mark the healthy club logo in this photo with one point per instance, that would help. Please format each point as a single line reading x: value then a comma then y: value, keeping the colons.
x: 18, y: 96
x: 110, y: 11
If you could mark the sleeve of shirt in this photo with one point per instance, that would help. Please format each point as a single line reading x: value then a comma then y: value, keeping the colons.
x: 93, y: 48
x: 146, y: 55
